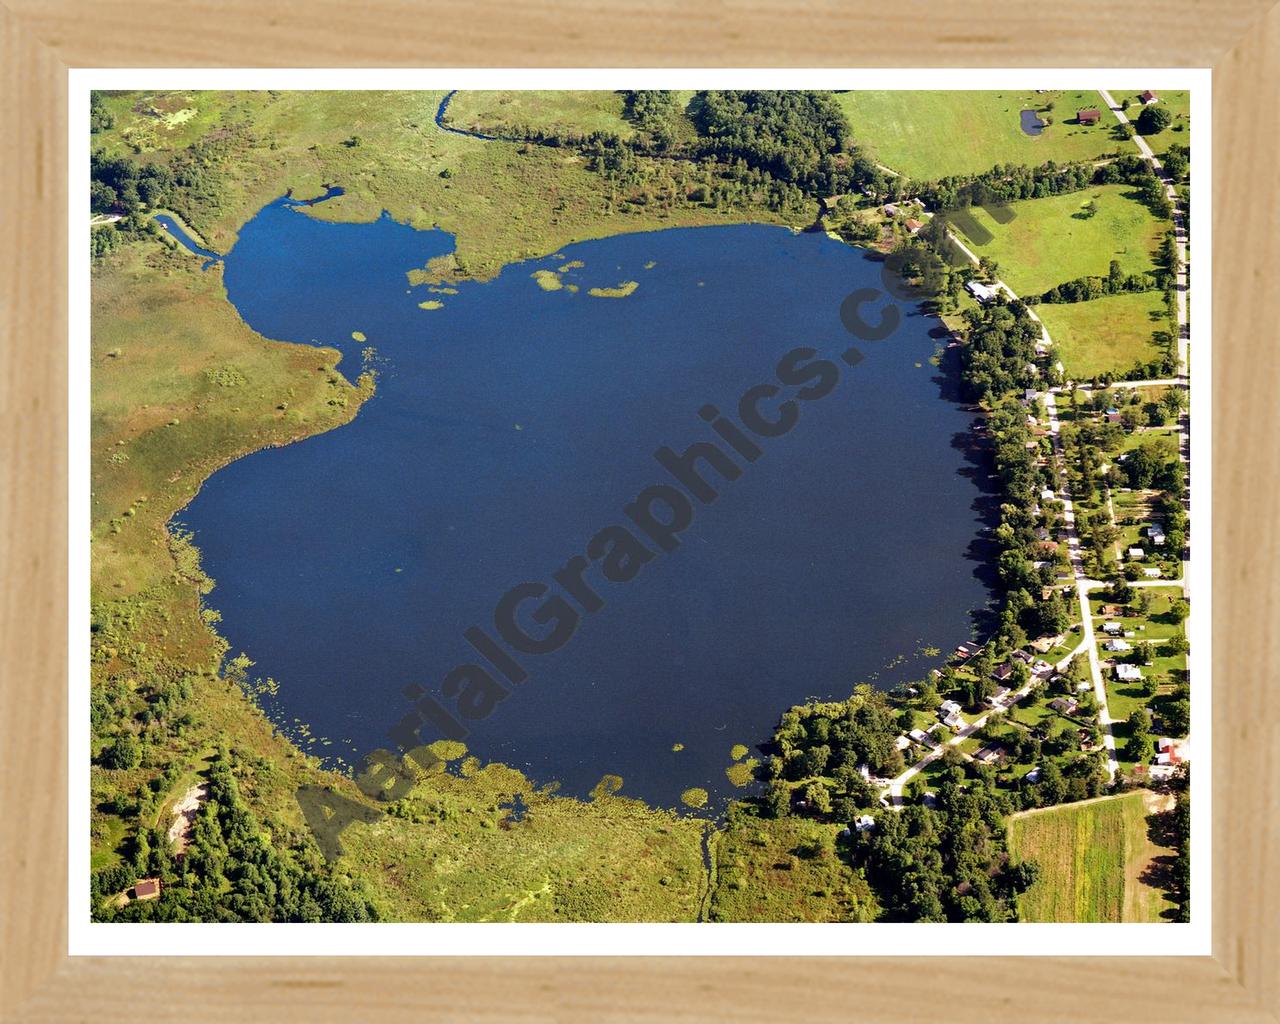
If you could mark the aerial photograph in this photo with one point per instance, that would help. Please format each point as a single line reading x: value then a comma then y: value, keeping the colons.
x: 639, y: 506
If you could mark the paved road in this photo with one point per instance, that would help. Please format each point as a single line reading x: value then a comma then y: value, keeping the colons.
x: 1179, y: 234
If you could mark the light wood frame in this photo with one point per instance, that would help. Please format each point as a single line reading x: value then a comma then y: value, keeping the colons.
x: 41, y: 39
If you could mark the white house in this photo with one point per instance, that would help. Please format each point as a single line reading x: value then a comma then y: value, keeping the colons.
x: 948, y: 707
x: 1152, y: 573
x: 1117, y: 645
x: 1136, y: 554
x: 1047, y: 494
x: 865, y: 823
x: 1128, y: 673
x: 1111, y: 626
x: 1156, y: 534
x: 980, y: 291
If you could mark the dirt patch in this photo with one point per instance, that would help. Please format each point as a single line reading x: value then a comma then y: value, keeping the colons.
x: 1157, y: 803
x: 184, y: 817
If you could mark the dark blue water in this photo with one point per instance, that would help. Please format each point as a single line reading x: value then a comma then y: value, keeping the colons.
x: 513, y: 424
x: 1031, y: 123
x: 176, y: 230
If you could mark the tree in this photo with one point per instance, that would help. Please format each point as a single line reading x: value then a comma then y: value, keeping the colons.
x: 124, y: 754
x: 1153, y: 120
x: 1179, y: 610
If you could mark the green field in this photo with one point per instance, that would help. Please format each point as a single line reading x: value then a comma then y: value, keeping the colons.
x: 1092, y: 858
x: 1105, y: 335
x: 929, y: 135
x: 1063, y: 237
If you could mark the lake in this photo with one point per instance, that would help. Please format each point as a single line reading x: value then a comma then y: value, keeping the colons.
x: 514, y: 423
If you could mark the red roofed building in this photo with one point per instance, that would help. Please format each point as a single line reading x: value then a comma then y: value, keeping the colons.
x: 1090, y: 116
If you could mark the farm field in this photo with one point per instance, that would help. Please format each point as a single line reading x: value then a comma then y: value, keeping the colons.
x: 1076, y: 234
x: 930, y: 135
x: 1092, y: 857
x: 1105, y: 335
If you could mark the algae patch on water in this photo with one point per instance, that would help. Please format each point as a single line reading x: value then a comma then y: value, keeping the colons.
x: 694, y: 797
x: 742, y: 773
x: 677, y: 747
x: 357, y: 336
x: 738, y: 751
x: 621, y: 291
x: 548, y: 280
x: 431, y: 304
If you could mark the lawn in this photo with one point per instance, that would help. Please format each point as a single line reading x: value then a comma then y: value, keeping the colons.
x: 928, y: 135
x: 1092, y: 858
x: 1106, y: 335
x: 1076, y: 234
x: 1178, y: 103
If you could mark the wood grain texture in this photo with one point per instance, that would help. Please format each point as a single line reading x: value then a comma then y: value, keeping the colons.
x: 40, y: 38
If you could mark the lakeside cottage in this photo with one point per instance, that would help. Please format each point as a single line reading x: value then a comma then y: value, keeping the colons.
x: 980, y: 291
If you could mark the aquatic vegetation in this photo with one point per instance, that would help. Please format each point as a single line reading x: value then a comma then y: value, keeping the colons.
x: 694, y: 797
x: 607, y: 786
x: 443, y: 290
x: 448, y: 750
x: 738, y: 751
x: 677, y: 747
x: 621, y: 291
x: 548, y: 280
x: 357, y: 336
x: 742, y: 773
x: 431, y: 304
x: 651, y: 264
x: 572, y: 265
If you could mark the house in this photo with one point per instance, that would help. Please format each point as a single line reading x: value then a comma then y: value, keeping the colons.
x: 1042, y: 533
x: 1112, y: 415
x: 146, y: 889
x: 1034, y: 774
x: 980, y: 291
x: 1045, y: 644
x: 1116, y: 645
x: 901, y: 743
x: 997, y: 698
x: 1112, y: 627
x: 1023, y: 657
x: 914, y: 225
x: 954, y: 722
x: 865, y: 823
x: 1047, y: 494
x: 989, y: 754
x: 947, y: 707
x: 890, y: 209
x: 1156, y: 534
x: 1111, y: 609
x: 1128, y: 673
x: 1090, y: 116
x: 1136, y: 554
x: 1064, y: 705
x: 1148, y: 98
x: 1002, y: 672
x: 1040, y: 667
x: 1152, y: 573
x: 921, y: 737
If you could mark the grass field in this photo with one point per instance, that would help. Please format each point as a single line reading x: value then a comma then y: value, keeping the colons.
x: 1077, y: 234
x: 928, y: 135
x: 513, y: 111
x: 1106, y: 335
x: 785, y: 869
x: 1093, y: 858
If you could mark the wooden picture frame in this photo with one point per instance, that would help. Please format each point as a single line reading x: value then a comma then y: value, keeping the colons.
x: 41, y: 39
